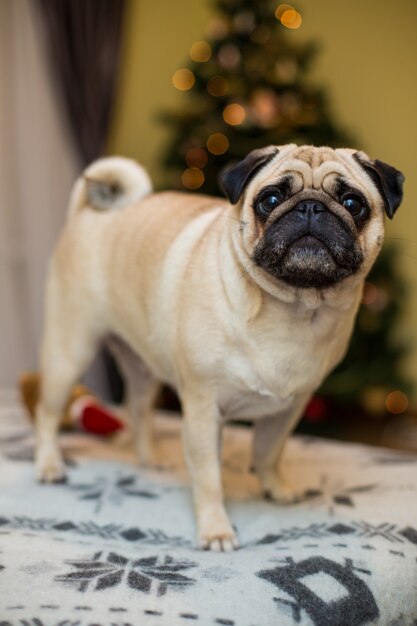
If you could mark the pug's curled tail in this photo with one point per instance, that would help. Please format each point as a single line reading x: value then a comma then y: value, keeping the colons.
x: 108, y: 184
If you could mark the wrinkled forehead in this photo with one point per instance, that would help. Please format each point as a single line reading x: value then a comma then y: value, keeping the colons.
x: 312, y: 167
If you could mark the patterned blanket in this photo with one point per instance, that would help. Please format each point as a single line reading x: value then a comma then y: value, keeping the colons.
x: 114, y: 546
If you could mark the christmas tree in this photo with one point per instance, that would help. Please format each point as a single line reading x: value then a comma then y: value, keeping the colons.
x: 244, y: 87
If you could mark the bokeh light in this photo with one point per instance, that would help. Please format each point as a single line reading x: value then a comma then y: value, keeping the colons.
x: 218, y: 86
x: 396, y: 402
x: 196, y: 157
x: 286, y: 69
x: 288, y: 16
x: 192, y: 178
x: 200, y: 51
x: 244, y: 22
x: 261, y: 34
x: 280, y: 10
x: 375, y: 298
x: 264, y: 107
x: 217, y: 143
x: 373, y: 399
x: 229, y: 56
x: 183, y: 79
x: 218, y: 28
x: 234, y: 114
x: 291, y: 19
x: 370, y: 293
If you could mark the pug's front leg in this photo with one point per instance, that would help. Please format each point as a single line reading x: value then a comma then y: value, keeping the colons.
x: 270, y: 436
x: 201, y: 437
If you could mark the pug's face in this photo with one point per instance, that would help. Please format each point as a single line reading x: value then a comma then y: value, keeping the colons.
x: 312, y: 217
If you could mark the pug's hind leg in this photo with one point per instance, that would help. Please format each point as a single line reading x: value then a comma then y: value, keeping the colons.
x: 66, y: 352
x: 201, y: 446
x: 141, y: 391
x: 270, y: 435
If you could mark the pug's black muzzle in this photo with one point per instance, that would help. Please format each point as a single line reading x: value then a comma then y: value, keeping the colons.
x: 309, y: 247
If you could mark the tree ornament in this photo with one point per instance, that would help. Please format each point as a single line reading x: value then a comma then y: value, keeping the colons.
x: 380, y: 301
x: 265, y: 108
x: 316, y: 410
x: 192, y: 178
x: 218, y: 28
x: 396, y: 402
x: 196, y: 157
x: 286, y: 70
x: 218, y: 86
x: 373, y: 400
x: 261, y: 34
x: 217, y: 143
x: 234, y: 114
x: 290, y: 105
x: 183, y: 79
x: 229, y: 56
x: 244, y: 23
x: 200, y: 51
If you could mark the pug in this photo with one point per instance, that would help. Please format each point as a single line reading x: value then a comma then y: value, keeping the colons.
x: 243, y: 304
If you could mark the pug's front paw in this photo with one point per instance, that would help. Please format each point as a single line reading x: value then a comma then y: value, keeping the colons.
x: 215, y: 531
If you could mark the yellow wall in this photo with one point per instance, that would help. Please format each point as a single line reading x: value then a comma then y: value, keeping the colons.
x: 159, y: 34
x: 367, y: 64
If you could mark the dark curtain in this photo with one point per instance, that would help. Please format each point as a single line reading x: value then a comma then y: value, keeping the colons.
x: 83, y: 41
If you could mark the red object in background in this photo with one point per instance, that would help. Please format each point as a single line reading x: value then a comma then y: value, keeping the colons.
x: 94, y: 418
x: 316, y: 410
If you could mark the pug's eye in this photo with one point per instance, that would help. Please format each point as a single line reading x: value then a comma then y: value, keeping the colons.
x: 355, y: 205
x: 267, y: 204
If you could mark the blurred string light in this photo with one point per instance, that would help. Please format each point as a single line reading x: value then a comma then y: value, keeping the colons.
x: 396, y: 402
x: 234, y: 114
x: 229, y: 56
x: 218, y: 86
x: 217, y: 143
x: 373, y: 400
x: 261, y: 34
x: 288, y: 16
x: 280, y: 10
x: 375, y: 298
x: 218, y: 28
x: 192, y: 178
x: 196, y: 157
x: 244, y: 22
x: 264, y: 107
x: 183, y: 79
x: 286, y: 69
x: 200, y: 51
x: 291, y: 19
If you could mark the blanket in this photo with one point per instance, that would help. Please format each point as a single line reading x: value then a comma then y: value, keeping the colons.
x: 115, y: 544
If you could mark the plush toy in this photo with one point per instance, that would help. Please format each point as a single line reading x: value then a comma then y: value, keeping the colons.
x: 83, y: 409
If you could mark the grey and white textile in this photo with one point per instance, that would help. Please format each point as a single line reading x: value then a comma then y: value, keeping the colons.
x: 114, y: 546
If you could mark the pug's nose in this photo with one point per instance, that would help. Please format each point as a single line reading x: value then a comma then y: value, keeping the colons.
x: 309, y: 208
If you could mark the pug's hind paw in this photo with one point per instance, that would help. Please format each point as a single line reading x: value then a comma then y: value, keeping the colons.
x: 279, y: 491
x: 50, y: 466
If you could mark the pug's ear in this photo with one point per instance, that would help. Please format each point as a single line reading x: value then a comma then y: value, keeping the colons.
x: 388, y: 180
x: 235, y: 177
